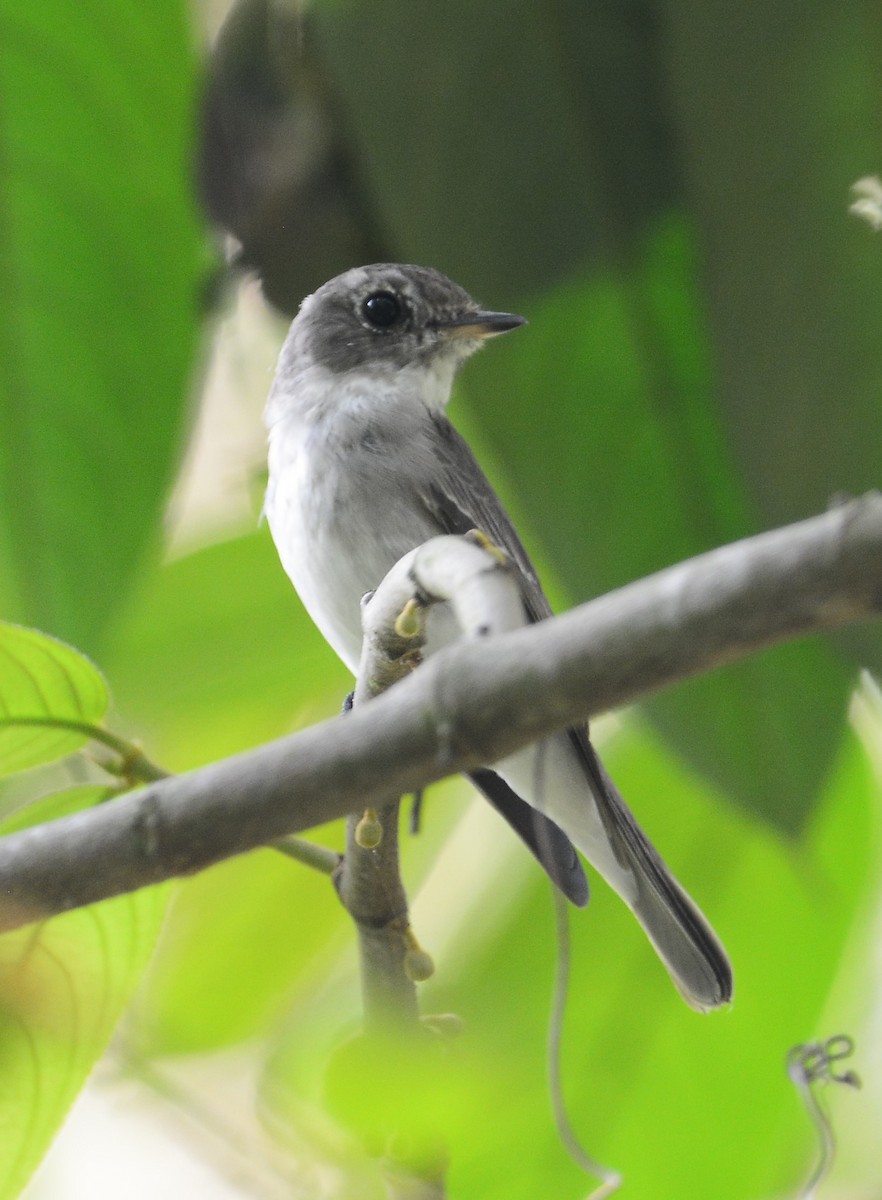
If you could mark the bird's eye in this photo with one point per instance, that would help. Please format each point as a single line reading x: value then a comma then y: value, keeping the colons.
x: 382, y: 309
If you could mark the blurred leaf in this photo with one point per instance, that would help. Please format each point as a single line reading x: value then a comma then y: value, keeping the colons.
x: 792, y: 296
x: 101, y: 258
x: 240, y: 937
x: 400, y: 1115
x: 560, y: 165
x: 63, y: 986
x: 684, y: 1105
x: 642, y: 475
x: 228, y: 971
x: 216, y: 654
x: 642, y: 478
x: 55, y: 805
x: 792, y: 293
x: 698, y: 277
x: 275, y: 167
x: 43, y: 680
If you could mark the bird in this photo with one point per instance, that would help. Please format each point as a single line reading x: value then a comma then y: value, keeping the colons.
x: 364, y: 466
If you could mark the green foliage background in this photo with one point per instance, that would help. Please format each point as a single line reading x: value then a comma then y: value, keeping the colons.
x: 662, y: 189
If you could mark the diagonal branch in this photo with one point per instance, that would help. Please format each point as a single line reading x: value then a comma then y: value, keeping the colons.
x: 471, y: 705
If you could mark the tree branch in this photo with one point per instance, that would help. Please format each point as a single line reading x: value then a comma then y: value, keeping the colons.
x: 473, y: 704
x: 369, y: 882
x: 485, y: 598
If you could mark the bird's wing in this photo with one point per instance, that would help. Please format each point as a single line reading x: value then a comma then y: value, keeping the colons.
x: 460, y: 497
x: 546, y: 841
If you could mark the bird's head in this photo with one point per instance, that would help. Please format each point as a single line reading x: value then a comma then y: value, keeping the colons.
x: 395, y: 316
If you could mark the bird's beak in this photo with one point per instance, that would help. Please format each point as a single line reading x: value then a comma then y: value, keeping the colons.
x: 480, y: 324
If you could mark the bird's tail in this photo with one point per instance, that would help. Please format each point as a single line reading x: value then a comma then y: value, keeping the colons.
x: 553, y: 777
x: 679, y: 931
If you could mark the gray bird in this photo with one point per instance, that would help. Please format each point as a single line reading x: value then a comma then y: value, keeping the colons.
x: 363, y: 467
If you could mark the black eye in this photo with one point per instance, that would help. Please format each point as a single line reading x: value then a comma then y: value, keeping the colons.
x: 382, y: 309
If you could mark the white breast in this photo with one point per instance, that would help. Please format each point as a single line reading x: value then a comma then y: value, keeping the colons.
x: 343, y: 500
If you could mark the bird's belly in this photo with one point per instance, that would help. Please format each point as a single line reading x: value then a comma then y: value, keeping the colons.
x: 338, y: 532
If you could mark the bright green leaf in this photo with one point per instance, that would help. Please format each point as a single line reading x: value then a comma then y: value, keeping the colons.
x: 684, y: 1105
x: 101, y: 258
x: 53, y: 806
x: 63, y: 986
x: 670, y: 1097
x: 44, y: 682
x: 214, y: 982
x: 216, y: 654
x: 226, y: 967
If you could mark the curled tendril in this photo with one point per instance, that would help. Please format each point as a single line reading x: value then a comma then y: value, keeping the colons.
x: 814, y: 1063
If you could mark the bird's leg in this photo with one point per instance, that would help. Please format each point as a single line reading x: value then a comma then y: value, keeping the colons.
x: 480, y: 539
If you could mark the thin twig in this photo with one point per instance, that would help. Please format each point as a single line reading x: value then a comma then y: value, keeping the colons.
x: 369, y: 880
x: 134, y: 763
x: 807, y: 1066
x: 373, y: 894
x: 610, y: 1179
x: 320, y: 858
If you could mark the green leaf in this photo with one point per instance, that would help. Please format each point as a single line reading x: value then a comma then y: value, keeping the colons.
x: 224, y: 972
x: 101, y: 258
x: 63, y: 986
x: 53, y: 806
x: 642, y: 478
x: 43, y: 683
x: 565, y: 153
x: 711, y: 366
x: 214, y: 983
x: 683, y: 1104
x: 216, y: 654
x: 795, y: 303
